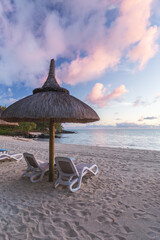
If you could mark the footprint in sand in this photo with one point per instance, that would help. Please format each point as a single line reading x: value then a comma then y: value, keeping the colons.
x: 101, y: 219
x: 127, y: 229
x: 117, y: 237
x: 157, y: 230
x: 70, y: 231
x: 117, y: 213
x: 153, y: 235
x: 145, y: 205
x: 137, y: 215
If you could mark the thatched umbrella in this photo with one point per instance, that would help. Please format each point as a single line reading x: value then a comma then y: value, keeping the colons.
x: 53, y: 104
x: 4, y: 123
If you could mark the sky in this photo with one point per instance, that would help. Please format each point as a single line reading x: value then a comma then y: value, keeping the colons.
x: 107, y: 54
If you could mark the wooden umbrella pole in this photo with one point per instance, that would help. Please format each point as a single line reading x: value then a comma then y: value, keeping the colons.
x: 51, y: 150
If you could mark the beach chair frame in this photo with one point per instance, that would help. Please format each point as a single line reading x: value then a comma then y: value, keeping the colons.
x: 35, y: 168
x: 71, y: 174
x: 6, y: 156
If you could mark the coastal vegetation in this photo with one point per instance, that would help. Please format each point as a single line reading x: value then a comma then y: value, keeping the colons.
x: 26, y: 127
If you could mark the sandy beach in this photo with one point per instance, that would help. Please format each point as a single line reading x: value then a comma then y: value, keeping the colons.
x: 122, y: 202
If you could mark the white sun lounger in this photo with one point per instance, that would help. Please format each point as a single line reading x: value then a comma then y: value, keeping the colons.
x: 71, y: 174
x: 7, y: 156
x: 36, y: 169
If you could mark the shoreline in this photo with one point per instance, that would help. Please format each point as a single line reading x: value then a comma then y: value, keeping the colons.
x: 121, y: 202
x: 128, y: 139
x: 41, y: 140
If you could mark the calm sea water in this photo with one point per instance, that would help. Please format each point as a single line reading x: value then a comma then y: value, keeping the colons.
x: 124, y: 138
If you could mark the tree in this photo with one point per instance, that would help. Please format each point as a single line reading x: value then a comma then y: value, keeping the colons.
x: 58, y: 126
x: 3, y: 107
x: 44, y: 126
x: 27, y: 126
x: 31, y: 126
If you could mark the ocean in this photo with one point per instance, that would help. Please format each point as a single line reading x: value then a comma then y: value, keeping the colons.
x: 123, y: 138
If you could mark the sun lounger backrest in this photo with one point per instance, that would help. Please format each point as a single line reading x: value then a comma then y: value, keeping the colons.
x: 30, y: 160
x: 66, y: 165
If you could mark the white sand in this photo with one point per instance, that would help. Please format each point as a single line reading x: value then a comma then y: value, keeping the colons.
x: 121, y: 202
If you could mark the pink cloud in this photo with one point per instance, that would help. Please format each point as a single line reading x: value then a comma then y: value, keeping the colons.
x: 130, y: 27
x: 99, y: 97
x: 87, y: 68
x: 146, y: 48
x: 78, y: 33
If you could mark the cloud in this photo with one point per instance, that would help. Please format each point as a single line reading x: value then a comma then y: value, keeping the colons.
x: 99, y: 97
x: 156, y: 98
x: 147, y: 118
x: 8, y: 101
x: 6, y: 97
x: 150, y: 118
x: 90, y: 38
x: 87, y: 68
x: 139, y: 102
x: 9, y: 90
x: 146, y: 48
x: 130, y: 125
x: 124, y: 33
x: 126, y: 125
x: 122, y: 125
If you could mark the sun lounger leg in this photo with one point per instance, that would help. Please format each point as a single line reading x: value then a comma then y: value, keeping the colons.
x: 56, y: 183
x: 74, y: 189
x: 94, y: 169
x: 35, y: 175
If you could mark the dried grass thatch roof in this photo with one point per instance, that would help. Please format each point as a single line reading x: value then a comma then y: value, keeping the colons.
x: 50, y: 102
x: 4, y: 123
